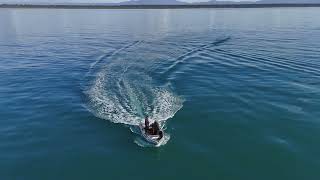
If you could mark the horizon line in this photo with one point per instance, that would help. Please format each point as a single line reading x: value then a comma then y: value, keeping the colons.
x: 155, y: 6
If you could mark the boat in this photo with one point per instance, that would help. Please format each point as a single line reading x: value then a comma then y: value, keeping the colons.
x: 153, y: 139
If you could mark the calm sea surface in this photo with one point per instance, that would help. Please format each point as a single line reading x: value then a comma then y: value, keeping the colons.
x: 238, y: 91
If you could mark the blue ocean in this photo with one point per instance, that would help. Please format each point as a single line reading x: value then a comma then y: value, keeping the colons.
x: 236, y: 90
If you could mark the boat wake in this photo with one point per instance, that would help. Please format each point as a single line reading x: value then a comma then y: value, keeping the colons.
x: 132, y: 82
x: 121, y: 91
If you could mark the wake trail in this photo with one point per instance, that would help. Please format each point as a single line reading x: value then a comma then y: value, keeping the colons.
x: 121, y: 90
x: 111, y: 54
x: 181, y: 59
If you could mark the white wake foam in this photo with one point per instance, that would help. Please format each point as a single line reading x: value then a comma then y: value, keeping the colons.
x: 122, y: 92
x: 126, y: 102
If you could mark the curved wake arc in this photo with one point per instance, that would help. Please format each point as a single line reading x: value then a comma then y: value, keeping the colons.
x: 121, y: 91
x: 182, y: 58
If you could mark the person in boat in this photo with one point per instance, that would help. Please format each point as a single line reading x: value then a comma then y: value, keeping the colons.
x: 157, y: 131
x: 146, y: 123
x: 160, y: 135
x: 152, y: 129
x: 147, y: 127
x: 155, y: 128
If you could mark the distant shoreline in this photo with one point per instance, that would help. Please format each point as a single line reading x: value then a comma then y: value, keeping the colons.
x: 192, y: 6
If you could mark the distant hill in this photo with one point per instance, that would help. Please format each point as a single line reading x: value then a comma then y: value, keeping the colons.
x: 289, y: 1
x: 262, y: 2
x: 152, y: 2
x: 177, y: 2
x: 226, y: 2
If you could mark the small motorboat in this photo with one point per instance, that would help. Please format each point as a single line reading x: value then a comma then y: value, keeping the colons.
x: 153, y: 139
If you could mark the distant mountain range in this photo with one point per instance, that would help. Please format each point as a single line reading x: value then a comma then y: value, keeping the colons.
x: 161, y: 2
x: 152, y: 2
x: 289, y: 1
x: 262, y: 2
x: 176, y: 2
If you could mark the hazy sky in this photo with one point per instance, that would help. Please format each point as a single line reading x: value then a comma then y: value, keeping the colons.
x: 99, y: 1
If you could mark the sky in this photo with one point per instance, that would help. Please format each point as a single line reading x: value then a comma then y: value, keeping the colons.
x: 99, y: 1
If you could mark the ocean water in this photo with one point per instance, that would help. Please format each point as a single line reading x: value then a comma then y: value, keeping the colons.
x: 238, y: 91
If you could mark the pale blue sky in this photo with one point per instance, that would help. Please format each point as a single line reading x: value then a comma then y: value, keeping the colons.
x: 98, y: 1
